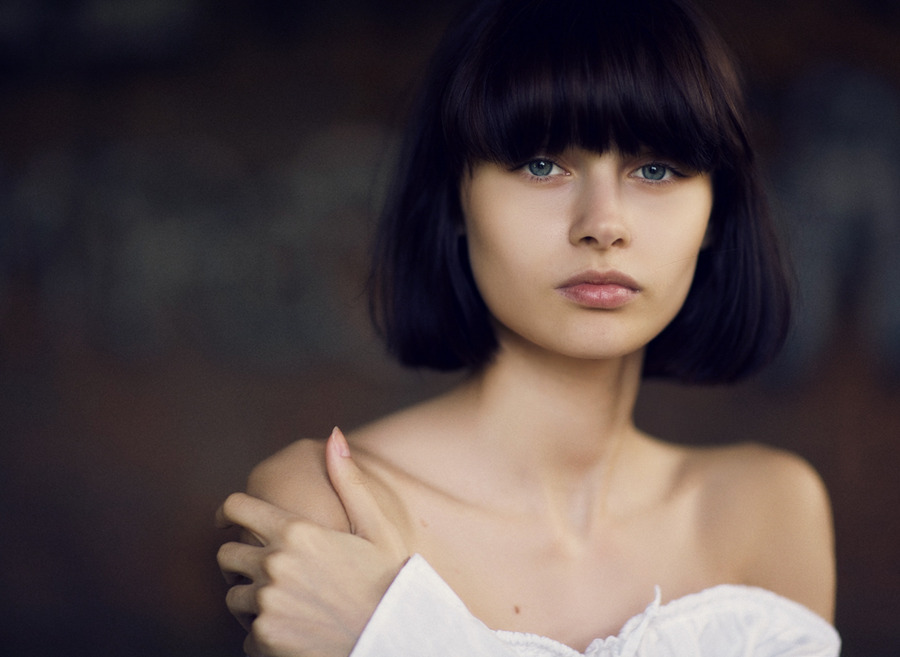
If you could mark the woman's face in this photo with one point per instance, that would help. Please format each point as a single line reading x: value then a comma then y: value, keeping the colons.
x: 586, y: 255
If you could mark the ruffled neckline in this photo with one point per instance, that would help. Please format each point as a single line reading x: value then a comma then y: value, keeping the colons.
x: 712, y: 599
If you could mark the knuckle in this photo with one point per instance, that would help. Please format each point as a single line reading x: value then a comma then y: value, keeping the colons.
x: 278, y: 565
x: 271, y: 565
x: 269, y: 602
x: 296, y: 532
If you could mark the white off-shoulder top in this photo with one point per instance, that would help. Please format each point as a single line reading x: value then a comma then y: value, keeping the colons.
x: 421, y: 616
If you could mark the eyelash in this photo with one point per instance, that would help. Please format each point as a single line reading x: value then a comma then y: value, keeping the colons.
x: 538, y: 179
x: 673, y: 170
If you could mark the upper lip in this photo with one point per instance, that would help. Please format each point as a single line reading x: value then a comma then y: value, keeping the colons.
x: 593, y: 277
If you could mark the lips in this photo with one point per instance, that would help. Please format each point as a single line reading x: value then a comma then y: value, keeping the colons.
x: 603, y: 290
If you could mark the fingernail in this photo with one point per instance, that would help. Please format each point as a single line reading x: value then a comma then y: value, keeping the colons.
x: 340, y: 442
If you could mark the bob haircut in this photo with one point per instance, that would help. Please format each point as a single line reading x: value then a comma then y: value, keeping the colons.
x: 514, y: 79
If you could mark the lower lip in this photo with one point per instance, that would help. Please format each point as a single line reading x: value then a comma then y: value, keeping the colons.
x: 607, y: 296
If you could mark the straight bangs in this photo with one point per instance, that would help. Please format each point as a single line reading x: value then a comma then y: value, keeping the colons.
x: 633, y: 77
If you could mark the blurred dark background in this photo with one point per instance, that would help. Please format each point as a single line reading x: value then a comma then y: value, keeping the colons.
x: 186, y: 191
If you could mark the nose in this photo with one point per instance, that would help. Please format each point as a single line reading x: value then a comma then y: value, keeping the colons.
x: 599, y: 217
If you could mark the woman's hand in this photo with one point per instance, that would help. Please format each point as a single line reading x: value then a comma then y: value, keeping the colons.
x: 307, y: 591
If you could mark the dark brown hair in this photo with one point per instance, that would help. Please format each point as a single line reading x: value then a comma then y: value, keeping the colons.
x: 516, y: 78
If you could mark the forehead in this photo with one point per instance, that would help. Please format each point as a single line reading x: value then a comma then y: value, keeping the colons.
x: 542, y: 77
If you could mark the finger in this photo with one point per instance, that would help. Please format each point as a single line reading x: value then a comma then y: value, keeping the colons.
x: 366, y: 517
x: 239, y: 562
x: 261, y: 519
x: 251, y: 645
x: 242, y: 604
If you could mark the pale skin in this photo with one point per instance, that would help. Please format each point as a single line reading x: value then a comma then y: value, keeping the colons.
x: 528, y: 487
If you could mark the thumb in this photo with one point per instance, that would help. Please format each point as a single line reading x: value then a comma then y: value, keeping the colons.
x: 366, y: 517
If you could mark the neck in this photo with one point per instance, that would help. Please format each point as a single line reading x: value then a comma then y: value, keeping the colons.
x: 555, y: 426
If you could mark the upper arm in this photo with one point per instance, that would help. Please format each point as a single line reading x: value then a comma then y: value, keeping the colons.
x: 793, y: 546
x: 296, y: 480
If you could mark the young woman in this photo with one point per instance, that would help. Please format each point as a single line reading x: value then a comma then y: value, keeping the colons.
x: 577, y: 208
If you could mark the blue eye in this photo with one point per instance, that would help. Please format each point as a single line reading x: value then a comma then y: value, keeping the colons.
x: 540, y: 168
x: 654, y: 171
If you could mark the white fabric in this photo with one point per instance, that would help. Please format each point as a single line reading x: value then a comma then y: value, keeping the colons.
x: 421, y: 616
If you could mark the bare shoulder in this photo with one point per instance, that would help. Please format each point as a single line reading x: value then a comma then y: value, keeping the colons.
x: 770, y: 509
x: 296, y: 480
x: 765, y: 471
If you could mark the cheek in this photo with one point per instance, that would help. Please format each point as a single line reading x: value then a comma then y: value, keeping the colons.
x: 495, y: 261
x: 689, y: 230
x: 501, y: 243
x: 508, y: 268
x: 677, y: 245
x: 678, y: 257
